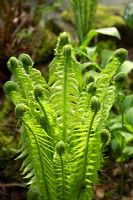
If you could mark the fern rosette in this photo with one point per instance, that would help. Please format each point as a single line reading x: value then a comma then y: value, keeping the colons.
x: 63, y: 122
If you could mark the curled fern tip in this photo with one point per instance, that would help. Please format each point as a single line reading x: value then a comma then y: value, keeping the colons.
x: 12, y: 63
x: 95, y: 104
x: 63, y: 40
x: 20, y: 110
x: 67, y: 51
x: 91, y: 88
x: 38, y: 92
x: 26, y: 60
x: 60, y: 148
x: 121, y: 54
x: 10, y: 86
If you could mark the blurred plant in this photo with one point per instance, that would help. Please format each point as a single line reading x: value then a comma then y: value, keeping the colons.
x: 25, y: 34
x: 121, y: 123
x: 14, y: 16
x: 85, y: 11
x: 128, y: 14
x: 19, y: 32
x: 121, y: 127
x: 12, y: 19
x: 42, y: 10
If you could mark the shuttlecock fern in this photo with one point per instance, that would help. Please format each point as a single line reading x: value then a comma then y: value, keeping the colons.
x: 85, y: 11
x: 62, y: 122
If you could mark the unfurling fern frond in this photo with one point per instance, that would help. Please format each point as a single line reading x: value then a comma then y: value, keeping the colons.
x: 63, y: 122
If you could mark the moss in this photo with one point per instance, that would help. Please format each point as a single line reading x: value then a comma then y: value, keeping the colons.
x: 68, y: 16
x: 47, y: 45
x: 108, y: 16
x: 9, y: 138
x: 8, y: 153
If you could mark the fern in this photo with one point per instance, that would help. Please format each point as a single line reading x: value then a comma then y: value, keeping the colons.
x: 62, y: 122
x: 85, y: 11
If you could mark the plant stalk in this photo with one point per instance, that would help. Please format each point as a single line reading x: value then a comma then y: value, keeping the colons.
x: 63, y: 178
x: 122, y: 158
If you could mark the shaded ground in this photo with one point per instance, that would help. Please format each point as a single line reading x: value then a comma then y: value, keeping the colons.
x: 110, y: 182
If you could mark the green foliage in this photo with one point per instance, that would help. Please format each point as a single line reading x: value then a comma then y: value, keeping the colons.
x: 111, y: 31
x: 25, y: 35
x: 121, y: 127
x: 92, y: 53
x: 121, y: 122
x: 63, y: 122
x: 128, y: 14
x: 85, y: 11
x: 47, y: 44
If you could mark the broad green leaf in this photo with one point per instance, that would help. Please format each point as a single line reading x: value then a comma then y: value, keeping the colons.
x: 116, y: 141
x: 91, y: 52
x: 127, y: 66
x: 115, y: 123
x: 128, y: 150
x: 127, y: 103
x: 128, y: 153
x: 129, y: 116
x: 111, y: 31
x: 116, y: 126
x: 127, y: 136
x: 105, y: 55
x: 129, y: 127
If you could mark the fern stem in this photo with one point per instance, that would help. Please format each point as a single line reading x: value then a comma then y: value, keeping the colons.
x: 43, y: 110
x: 45, y: 115
x: 40, y: 159
x: 86, y: 146
x: 122, y: 156
x: 65, y: 102
x: 63, y: 177
x: 86, y: 154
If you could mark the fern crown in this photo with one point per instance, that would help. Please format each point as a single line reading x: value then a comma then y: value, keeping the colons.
x: 63, y: 122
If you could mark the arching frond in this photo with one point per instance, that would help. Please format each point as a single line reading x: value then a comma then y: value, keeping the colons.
x: 63, y: 122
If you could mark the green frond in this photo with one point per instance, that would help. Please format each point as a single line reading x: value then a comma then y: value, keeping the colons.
x: 63, y: 121
x: 65, y: 88
x: 38, y: 163
x: 62, y: 171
